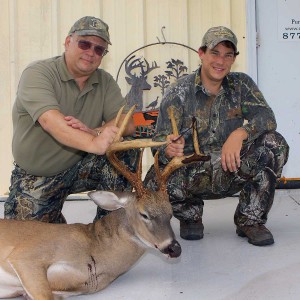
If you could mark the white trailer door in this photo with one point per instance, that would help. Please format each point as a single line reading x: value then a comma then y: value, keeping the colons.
x: 278, y: 69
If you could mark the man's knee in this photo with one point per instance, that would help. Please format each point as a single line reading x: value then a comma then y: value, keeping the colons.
x: 276, y: 143
x: 269, y: 150
x: 20, y: 207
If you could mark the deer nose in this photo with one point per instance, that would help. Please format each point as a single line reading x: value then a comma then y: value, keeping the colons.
x: 173, y: 250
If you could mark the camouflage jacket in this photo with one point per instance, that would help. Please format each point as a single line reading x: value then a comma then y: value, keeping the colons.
x: 238, y: 104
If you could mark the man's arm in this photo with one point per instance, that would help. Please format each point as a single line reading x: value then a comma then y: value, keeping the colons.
x: 77, y: 124
x: 255, y: 110
x: 260, y: 119
x: 53, y: 122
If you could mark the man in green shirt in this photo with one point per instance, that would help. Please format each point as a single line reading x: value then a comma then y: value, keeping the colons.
x: 236, y: 127
x: 52, y: 157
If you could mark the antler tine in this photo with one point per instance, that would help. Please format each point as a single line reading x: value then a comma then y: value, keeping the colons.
x: 134, y: 178
x: 173, y: 121
x: 198, y: 154
x: 124, y: 123
x: 140, y: 165
x: 119, y: 115
x: 130, y: 65
x: 148, y: 68
x: 178, y: 162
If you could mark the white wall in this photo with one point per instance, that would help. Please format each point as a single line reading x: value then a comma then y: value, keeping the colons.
x: 36, y: 29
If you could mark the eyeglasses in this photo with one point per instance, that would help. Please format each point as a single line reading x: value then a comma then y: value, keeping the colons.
x: 85, y: 45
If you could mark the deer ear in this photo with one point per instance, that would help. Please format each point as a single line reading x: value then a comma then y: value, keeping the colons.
x: 111, y: 200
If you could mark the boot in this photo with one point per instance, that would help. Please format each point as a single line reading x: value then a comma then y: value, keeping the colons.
x: 257, y: 235
x: 191, y: 230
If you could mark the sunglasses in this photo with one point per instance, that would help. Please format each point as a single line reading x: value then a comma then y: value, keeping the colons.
x: 85, y: 45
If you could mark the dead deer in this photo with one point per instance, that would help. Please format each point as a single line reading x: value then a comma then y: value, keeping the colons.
x: 52, y: 261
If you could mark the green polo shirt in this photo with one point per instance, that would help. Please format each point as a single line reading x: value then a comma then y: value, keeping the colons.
x: 46, y: 85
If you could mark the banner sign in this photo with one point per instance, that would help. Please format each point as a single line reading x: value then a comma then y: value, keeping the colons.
x: 288, y: 20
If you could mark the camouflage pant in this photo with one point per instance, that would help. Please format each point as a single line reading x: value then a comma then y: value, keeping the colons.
x: 261, y: 165
x: 42, y: 198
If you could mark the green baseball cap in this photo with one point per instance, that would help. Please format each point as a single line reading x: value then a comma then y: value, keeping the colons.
x: 91, y: 26
x: 216, y: 35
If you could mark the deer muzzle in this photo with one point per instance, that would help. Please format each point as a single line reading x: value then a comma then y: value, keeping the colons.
x: 172, y: 250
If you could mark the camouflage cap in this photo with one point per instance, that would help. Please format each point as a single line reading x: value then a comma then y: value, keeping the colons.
x: 91, y: 26
x: 216, y: 35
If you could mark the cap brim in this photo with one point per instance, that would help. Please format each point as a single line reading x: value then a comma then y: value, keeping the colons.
x: 214, y: 44
x: 93, y: 33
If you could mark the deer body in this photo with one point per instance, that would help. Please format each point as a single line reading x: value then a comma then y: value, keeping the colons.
x: 41, y: 259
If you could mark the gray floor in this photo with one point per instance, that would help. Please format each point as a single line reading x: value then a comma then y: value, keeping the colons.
x: 221, y: 266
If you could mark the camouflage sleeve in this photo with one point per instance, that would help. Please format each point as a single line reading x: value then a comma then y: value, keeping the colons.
x: 260, y: 117
x: 163, y: 126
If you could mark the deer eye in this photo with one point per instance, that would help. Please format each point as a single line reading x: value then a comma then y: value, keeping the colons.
x: 144, y: 216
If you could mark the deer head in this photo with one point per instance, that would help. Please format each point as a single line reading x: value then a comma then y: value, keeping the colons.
x: 149, y: 211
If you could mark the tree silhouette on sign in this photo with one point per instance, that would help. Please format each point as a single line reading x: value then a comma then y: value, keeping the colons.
x: 177, y: 68
x: 161, y: 81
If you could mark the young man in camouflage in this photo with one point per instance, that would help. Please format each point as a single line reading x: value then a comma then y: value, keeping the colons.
x: 236, y: 127
x: 55, y: 154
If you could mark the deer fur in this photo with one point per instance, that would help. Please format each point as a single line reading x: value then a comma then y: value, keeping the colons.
x: 41, y: 260
x: 45, y: 261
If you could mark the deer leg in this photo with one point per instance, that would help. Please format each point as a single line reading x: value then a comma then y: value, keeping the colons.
x: 33, y: 278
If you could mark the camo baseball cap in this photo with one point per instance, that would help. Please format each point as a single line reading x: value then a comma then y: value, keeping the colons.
x: 91, y: 26
x: 216, y: 35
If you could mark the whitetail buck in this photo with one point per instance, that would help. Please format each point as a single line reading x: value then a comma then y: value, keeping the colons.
x: 52, y: 261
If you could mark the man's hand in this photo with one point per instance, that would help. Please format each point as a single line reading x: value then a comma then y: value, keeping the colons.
x: 106, y: 138
x: 174, y: 148
x: 231, y: 150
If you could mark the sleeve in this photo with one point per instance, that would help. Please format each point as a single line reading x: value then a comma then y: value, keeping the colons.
x: 36, y: 92
x: 255, y: 109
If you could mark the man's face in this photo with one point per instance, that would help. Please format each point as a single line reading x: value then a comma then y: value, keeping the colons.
x: 216, y: 62
x: 83, y: 62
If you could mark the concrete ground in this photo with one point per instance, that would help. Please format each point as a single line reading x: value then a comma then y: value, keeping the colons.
x: 221, y: 266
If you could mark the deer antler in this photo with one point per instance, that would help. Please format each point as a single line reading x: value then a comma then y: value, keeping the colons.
x: 162, y: 176
x: 178, y: 162
x: 129, y: 66
x: 134, y: 178
x: 148, y: 68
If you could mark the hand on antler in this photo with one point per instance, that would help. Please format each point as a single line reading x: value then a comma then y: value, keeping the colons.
x: 105, y: 139
x: 102, y: 140
x: 175, y: 146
